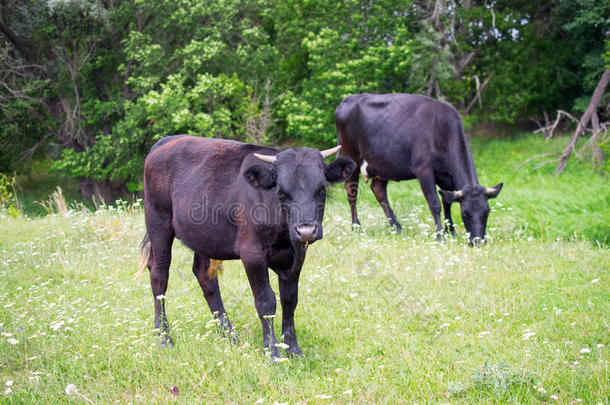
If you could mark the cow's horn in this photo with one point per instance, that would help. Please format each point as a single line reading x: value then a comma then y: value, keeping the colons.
x: 326, y: 153
x: 459, y: 194
x: 490, y: 190
x: 266, y: 158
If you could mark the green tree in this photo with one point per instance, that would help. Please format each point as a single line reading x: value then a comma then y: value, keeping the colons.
x: 96, y: 82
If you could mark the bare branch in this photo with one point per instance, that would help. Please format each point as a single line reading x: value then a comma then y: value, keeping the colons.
x: 19, y: 45
x: 74, y: 61
x: 478, y: 93
x: 586, y: 117
x: 436, y: 13
x: 30, y: 151
x: 598, y: 130
x: 549, y: 130
x: 259, y: 122
x: 461, y: 63
x: 546, y: 162
x: 526, y: 161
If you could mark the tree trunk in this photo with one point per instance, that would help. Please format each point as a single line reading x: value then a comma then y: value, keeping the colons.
x: 584, y: 120
x: 101, y: 190
x: 597, y: 129
x: 22, y: 47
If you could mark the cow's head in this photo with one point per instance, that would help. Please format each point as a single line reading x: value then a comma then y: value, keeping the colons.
x: 475, y: 208
x: 299, y: 177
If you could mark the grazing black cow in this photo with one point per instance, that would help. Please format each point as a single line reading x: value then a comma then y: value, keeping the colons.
x: 407, y: 136
x: 229, y: 200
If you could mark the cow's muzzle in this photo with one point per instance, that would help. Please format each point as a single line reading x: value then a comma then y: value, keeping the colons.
x: 478, y: 241
x: 307, y: 233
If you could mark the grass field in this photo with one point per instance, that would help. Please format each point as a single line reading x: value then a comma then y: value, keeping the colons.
x: 382, y: 318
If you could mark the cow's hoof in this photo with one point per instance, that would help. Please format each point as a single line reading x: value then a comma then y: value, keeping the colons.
x: 232, y: 336
x: 166, y: 341
x: 278, y: 359
x: 296, y: 354
x: 397, y: 227
x: 272, y: 350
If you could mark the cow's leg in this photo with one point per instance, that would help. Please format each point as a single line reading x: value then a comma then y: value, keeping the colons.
x: 379, y: 187
x: 161, y: 238
x: 428, y: 186
x: 351, y: 187
x: 449, y: 228
x: 264, y: 300
x: 289, y: 296
x: 211, y: 292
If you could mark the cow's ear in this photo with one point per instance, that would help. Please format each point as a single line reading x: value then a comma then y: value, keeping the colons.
x: 260, y: 177
x: 450, y: 196
x: 494, y: 191
x: 339, y: 169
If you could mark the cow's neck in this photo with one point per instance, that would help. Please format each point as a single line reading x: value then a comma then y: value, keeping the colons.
x: 464, y: 172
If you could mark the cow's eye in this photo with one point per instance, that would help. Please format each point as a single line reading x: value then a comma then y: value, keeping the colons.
x: 283, y: 196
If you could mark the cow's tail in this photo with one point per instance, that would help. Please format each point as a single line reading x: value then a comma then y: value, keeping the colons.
x: 215, y: 268
x: 213, y: 271
x: 144, y: 255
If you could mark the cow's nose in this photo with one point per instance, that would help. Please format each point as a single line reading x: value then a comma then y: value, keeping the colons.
x: 478, y: 241
x: 306, y: 232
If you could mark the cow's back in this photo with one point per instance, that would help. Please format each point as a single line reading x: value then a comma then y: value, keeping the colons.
x: 397, y: 115
x: 195, y: 181
x: 181, y: 164
x: 397, y: 130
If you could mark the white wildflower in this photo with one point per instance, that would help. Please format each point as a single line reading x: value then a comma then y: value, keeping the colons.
x: 528, y: 335
x: 585, y: 350
x: 12, y: 341
x: 71, y: 389
x: 56, y: 325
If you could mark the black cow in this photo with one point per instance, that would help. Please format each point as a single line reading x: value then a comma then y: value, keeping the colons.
x: 229, y: 200
x: 407, y: 136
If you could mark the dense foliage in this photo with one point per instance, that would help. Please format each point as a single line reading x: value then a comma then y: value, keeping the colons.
x: 94, y: 84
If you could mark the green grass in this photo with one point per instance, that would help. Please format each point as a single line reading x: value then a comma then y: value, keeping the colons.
x: 382, y: 318
x: 574, y: 205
